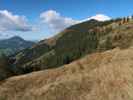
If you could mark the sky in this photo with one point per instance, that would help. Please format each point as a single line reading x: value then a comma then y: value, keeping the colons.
x: 40, y: 19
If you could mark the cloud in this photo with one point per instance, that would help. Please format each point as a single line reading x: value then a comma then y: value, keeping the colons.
x: 100, y: 17
x: 55, y: 21
x: 10, y: 22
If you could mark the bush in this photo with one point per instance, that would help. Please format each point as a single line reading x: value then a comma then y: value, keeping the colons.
x: 5, y: 70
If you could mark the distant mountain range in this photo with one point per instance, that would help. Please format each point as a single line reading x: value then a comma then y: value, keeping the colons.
x: 14, y: 44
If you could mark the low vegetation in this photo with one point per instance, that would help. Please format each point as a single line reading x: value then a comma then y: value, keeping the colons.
x: 5, y: 68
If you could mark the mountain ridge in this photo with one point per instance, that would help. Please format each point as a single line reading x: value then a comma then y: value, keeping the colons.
x: 72, y: 44
x: 80, y: 39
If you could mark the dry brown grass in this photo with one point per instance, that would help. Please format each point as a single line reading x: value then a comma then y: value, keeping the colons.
x: 100, y: 76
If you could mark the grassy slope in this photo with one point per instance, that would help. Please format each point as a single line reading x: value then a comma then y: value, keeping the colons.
x: 99, y: 76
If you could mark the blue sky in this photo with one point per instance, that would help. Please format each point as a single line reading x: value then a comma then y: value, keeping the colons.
x: 34, y: 24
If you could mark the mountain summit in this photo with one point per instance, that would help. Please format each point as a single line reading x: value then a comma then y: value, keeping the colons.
x: 14, y: 44
x: 15, y: 38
